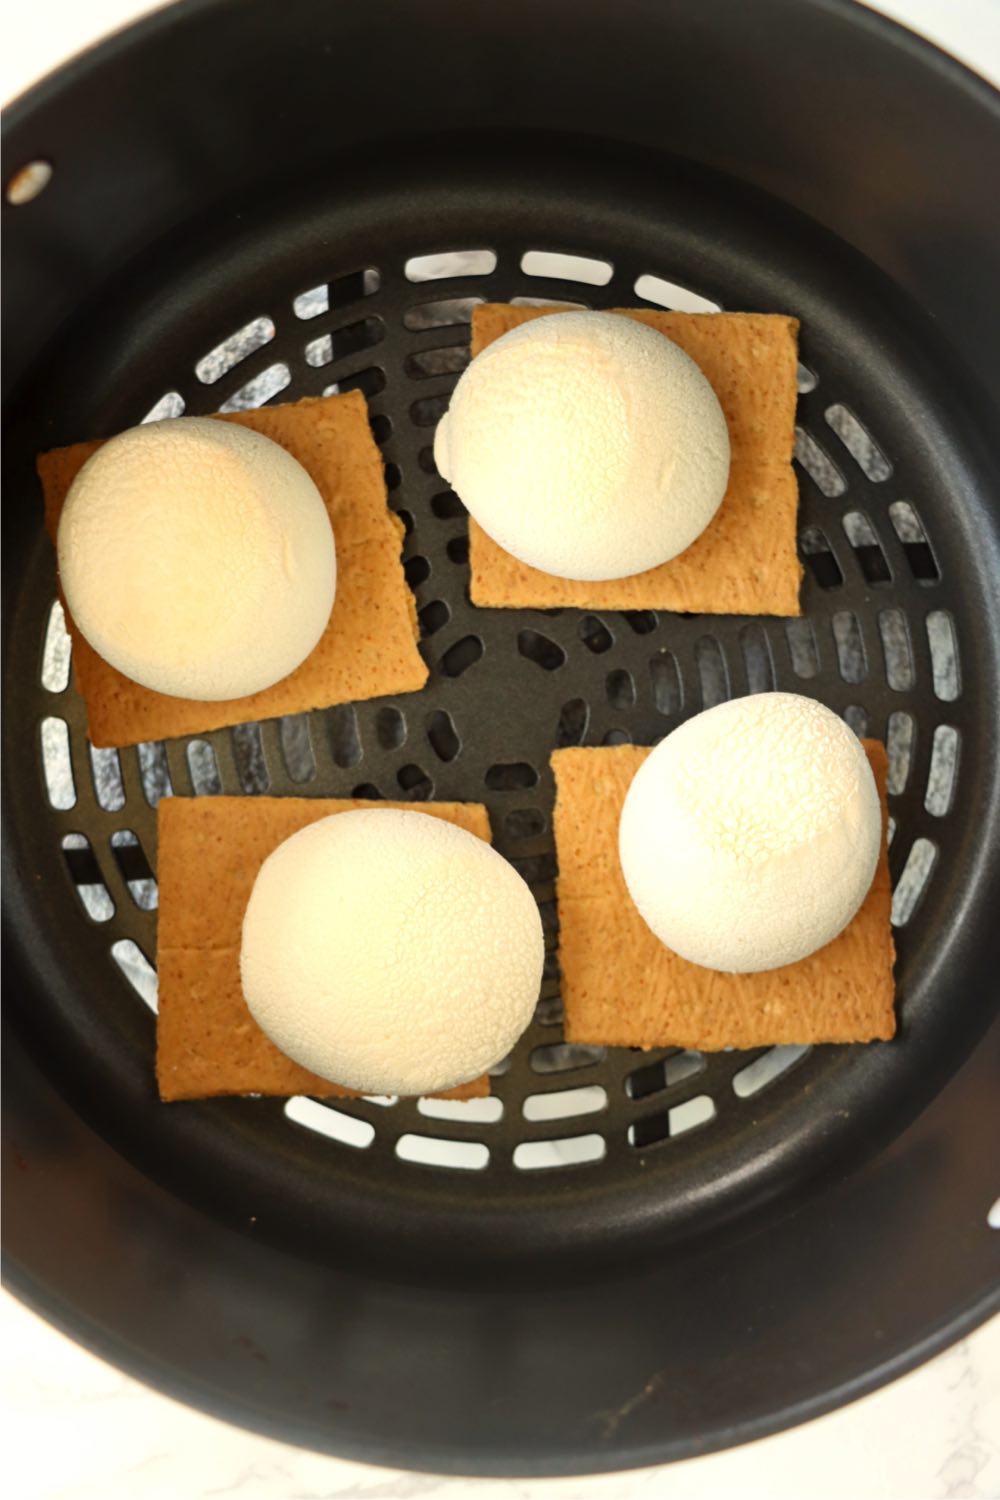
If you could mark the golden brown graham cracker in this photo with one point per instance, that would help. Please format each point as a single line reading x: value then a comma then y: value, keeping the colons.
x: 210, y: 849
x: 369, y: 647
x: 622, y: 988
x: 746, y: 561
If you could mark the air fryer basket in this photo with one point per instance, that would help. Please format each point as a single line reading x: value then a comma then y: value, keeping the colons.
x: 630, y: 1256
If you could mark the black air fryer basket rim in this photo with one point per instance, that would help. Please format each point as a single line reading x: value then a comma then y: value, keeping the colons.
x: 435, y: 1367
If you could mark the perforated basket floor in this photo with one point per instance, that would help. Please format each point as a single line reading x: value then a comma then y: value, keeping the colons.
x: 377, y: 296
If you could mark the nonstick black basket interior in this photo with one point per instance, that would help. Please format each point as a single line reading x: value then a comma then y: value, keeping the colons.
x: 613, y: 1258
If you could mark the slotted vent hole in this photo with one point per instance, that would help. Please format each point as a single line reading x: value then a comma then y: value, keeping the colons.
x: 864, y: 540
x: 803, y: 653
x: 443, y: 736
x: 620, y: 690
x: 171, y: 404
x: 511, y: 776
x: 133, y: 866
x: 859, y: 443
x: 444, y: 312
x: 563, y: 267
x: 713, y: 674
x: 524, y: 823
x: 57, y: 766
x: 106, y: 774
x: 899, y: 748
x: 462, y: 655
x: 564, y: 1104
x: 817, y: 463
x: 390, y: 727
x: 757, y: 659
x: 642, y: 621
x: 465, y: 1111
x: 296, y: 748
x: 654, y: 1077
x: 450, y: 263
x: 345, y: 737
x: 913, y: 880
x: 569, y: 1151
x: 944, y: 655
x: 425, y: 364
x: 896, y: 649
x: 665, y: 680
x: 766, y: 1069
x: 669, y: 294
x: 943, y: 774
x: 433, y: 616
x: 856, y: 717
x: 203, y: 769
x: 154, y: 771
x: 56, y: 651
x: 916, y: 548
x: 691, y: 1115
x: 261, y: 389
x: 137, y: 969
x: 566, y: 1057
x: 415, y: 783
x: 538, y: 648
x: 851, y: 657
x: 595, y: 635
x: 432, y: 1151
x: 248, y: 756
x: 85, y: 873
x: 334, y: 1124
x: 234, y: 349
x: 571, y: 729
x: 819, y: 558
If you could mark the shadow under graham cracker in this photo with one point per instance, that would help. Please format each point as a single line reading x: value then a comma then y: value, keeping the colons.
x: 210, y: 850
x: 363, y: 653
x: 622, y: 987
x: 746, y: 560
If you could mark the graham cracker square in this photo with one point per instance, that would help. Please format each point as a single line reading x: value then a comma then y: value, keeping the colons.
x: 622, y: 987
x: 369, y: 647
x: 746, y: 561
x: 210, y: 850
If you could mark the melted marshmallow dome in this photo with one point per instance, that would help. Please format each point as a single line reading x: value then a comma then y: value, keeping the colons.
x: 587, y: 445
x: 197, y: 557
x: 391, y: 952
x: 749, y: 837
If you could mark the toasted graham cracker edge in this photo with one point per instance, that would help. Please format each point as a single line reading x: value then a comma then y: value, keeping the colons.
x: 331, y: 437
x: 210, y: 849
x: 622, y: 987
x: 746, y: 561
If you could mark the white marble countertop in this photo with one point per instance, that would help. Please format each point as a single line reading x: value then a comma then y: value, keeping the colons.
x: 74, y: 1428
